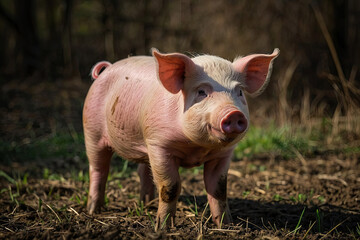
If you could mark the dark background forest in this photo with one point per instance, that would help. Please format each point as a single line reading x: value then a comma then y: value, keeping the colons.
x: 295, y: 175
x: 49, y: 46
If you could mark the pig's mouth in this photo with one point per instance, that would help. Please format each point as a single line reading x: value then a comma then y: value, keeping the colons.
x: 220, y: 135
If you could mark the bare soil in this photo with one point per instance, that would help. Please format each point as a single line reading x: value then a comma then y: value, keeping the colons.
x: 267, y: 194
x: 266, y: 198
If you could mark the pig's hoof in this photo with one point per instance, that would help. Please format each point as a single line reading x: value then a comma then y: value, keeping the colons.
x: 92, y: 207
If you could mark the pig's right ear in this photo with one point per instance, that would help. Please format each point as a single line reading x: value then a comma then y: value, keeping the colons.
x: 256, y: 69
x: 172, y: 68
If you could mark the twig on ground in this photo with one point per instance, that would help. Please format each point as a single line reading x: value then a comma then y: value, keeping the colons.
x: 309, y: 230
x: 101, y: 222
x: 334, y: 178
x: 73, y: 210
x: 57, y: 216
x: 246, y: 221
x: 334, y: 228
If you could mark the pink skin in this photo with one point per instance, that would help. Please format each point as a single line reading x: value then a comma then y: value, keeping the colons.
x: 168, y: 111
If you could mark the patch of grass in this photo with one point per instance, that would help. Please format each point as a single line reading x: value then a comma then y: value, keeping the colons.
x: 13, y: 196
x: 80, y: 176
x: 280, y: 141
x: 48, y: 175
x: 351, y: 150
x: 62, y: 144
x: 194, y: 170
x: 321, y: 199
x: 79, y: 199
x: 122, y: 172
x: 277, y: 198
x: 245, y: 193
x: 130, y: 212
x: 301, y: 198
x: 195, y: 210
x: 151, y: 220
x: 139, y: 209
x: 20, y: 185
x: 307, y: 198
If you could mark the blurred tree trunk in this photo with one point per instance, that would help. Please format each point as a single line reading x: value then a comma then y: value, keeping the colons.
x: 341, y: 30
x: 345, y: 32
x: 147, y: 25
x: 353, y: 38
x: 52, y: 42
x: 8, y: 59
x: 27, y: 41
x: 111, y: 27
x: 70, y: 63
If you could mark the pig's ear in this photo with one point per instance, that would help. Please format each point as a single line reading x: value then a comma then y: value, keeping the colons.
x: 172, y: 68
x: 257, y: 70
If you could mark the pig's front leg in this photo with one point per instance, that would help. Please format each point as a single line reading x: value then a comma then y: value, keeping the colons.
x: 167, y: 180
x: 146, y: 183
x: 215, y: 178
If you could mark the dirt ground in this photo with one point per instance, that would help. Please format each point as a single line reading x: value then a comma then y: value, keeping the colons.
x: 316, y: 197
x: 266, y: 197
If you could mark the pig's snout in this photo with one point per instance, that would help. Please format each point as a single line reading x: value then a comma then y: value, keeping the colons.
x: 233, y: 122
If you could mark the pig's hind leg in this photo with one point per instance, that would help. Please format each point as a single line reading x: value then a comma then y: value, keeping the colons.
x: 147, y: 186
x: 99, y: 161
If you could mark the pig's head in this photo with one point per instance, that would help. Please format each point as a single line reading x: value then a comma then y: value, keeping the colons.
x: 215, y: 110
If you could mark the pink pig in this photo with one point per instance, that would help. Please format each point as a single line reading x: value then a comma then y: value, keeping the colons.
x: 168, y: 111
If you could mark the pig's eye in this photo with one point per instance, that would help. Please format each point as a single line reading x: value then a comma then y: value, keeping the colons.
x: 239, y: 91
x: 202, y: 93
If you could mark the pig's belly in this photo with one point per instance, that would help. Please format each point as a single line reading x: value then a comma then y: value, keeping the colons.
x: 129, y: 149
x: 125, y: 135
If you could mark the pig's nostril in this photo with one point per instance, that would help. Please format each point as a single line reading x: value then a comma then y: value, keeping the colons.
x: 234, y: 122
x: 227, y: 123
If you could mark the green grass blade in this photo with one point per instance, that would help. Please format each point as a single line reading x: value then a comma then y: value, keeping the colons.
x: 164, y: 222
x: 10, y: 179
x: 318, y: 220
x: 298, y: 224
x: 151, y: 220
x: 222, y: 219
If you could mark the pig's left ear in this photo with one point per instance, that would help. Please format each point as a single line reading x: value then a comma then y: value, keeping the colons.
x: 257, y: 70
x: 172, y: 68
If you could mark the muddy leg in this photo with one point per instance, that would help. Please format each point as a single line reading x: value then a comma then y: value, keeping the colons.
x: 167, y: 180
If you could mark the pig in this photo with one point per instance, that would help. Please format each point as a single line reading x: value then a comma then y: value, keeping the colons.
x: 170, y: 110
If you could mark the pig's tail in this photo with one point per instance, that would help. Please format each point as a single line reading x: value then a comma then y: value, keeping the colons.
x: 98, y: 68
